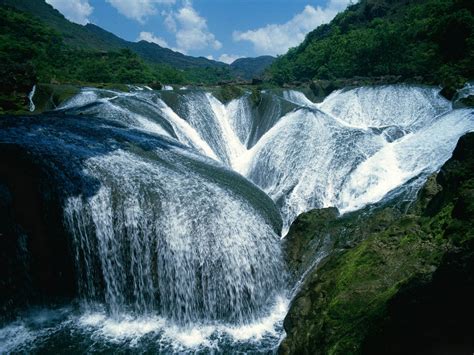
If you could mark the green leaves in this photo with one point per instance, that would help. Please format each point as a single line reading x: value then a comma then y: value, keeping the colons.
x: 379, y: 37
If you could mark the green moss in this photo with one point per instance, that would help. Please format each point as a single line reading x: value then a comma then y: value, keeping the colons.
x: 465, y: 102
x: 355, y: 294
x: 256, y: 96
x: 49, y: 96
x: 228, y: 93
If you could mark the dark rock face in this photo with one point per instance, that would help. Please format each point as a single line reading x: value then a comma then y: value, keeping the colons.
x: 407, y: 287
x: 41, y: 165
x: 464, y: 102
x: 35, y: 263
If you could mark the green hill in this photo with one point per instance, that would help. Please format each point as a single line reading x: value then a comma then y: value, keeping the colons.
x: 249, y: 68
x: 74, y: 35
x: 431, y: 41
x: 92, y: 37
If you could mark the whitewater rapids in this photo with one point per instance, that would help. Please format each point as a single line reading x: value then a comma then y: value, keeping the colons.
x: 175, y: 203
x: 355, y: 148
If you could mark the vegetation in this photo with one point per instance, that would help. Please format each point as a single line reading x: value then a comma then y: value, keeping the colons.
x: 249, y: 68
x: 430, y: 41
x: 406, y: 288
x: 32, y: 52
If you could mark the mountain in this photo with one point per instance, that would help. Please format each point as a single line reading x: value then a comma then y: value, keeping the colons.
x: 92, y: 37
x: 249, y: 68
x: 430, y: 40
x: 74, y: 35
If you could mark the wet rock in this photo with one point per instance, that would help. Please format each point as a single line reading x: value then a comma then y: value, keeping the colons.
x: 405, y: 288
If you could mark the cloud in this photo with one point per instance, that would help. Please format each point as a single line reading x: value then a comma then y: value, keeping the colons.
x: 229, y: 58
x: 278, y: 38
x: 138, y: 10
x: 210, y: 57
x: 76, y: 11
x: 190, y: 29
x: 150, y: 37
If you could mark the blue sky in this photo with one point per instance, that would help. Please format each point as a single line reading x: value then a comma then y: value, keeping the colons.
x: 218, y: 29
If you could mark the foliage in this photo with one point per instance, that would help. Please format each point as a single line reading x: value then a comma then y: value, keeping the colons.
x: 32, y: 52
x: 227, y: 93
x: 431, y: 39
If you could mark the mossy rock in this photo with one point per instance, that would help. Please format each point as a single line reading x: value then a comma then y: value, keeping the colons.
x: 227, y: 93
x: 50, y: 96
x: 110, y: 86
x: 464, y: 102
x: 407, y: 287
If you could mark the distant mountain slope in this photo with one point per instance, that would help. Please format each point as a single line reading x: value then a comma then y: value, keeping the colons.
x: 74, y: 35
x: 93, y: 37
x: 248, y: 68
x: 429, y: 39
x: 154, y: 53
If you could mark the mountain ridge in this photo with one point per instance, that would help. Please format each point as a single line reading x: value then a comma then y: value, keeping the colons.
x: 93, y: 37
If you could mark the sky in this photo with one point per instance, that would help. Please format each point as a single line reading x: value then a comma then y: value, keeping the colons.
x: 222, y: 30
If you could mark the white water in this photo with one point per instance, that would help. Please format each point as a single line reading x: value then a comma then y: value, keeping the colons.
x: 132, y: 332
x: 355, y: 147
x: 172, y: 245
x: 348, y: 151
x: 161, y: 230
x: 406, y: 107
x: 31, y: 95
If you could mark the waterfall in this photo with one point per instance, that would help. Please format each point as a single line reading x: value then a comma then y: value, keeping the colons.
x: 174, y: 203
x: 168, y: 237
x: 355, y: 147
x: 348, y: 151
x: 32, y: 106
x: 156, y: 227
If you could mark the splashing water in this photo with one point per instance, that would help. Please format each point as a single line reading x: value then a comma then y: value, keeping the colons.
x: 31, y: 95
x: 162, y: 230
x: 306, y: 155
x: 176, y: 251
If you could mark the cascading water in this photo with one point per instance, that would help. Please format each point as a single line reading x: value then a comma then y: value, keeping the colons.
x: 306, y: 155
x: 159, y: 230
x: 170, y: 237
x: 355, y: 147
x: 167, y: 237
x: 31, y: 95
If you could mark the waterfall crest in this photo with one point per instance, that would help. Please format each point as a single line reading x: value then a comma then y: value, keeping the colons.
x: 354, y: 148
x: 156, y: 227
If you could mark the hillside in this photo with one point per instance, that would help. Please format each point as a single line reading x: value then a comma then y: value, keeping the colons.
x: 248, y: 68
x: 428, y: 41
x: 92, y: 37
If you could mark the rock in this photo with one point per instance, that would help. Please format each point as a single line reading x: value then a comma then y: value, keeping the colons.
x: 464, y: 102
x: 155, y: 85
x: 35, y: 263
x: 50, y: 96
x: 406, y: 287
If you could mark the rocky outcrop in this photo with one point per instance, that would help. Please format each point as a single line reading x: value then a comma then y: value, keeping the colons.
x: 407, y: 287
x: 35, y: 263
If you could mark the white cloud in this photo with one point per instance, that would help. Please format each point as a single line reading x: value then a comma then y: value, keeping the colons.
x: 150, y: 37
x: 138, y: 10
x: 278, y: 38
x: 74, y: 10
x: 170, y: 22
x: 229, y: 58
x: 210, y: 57
x: 190, y: 29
